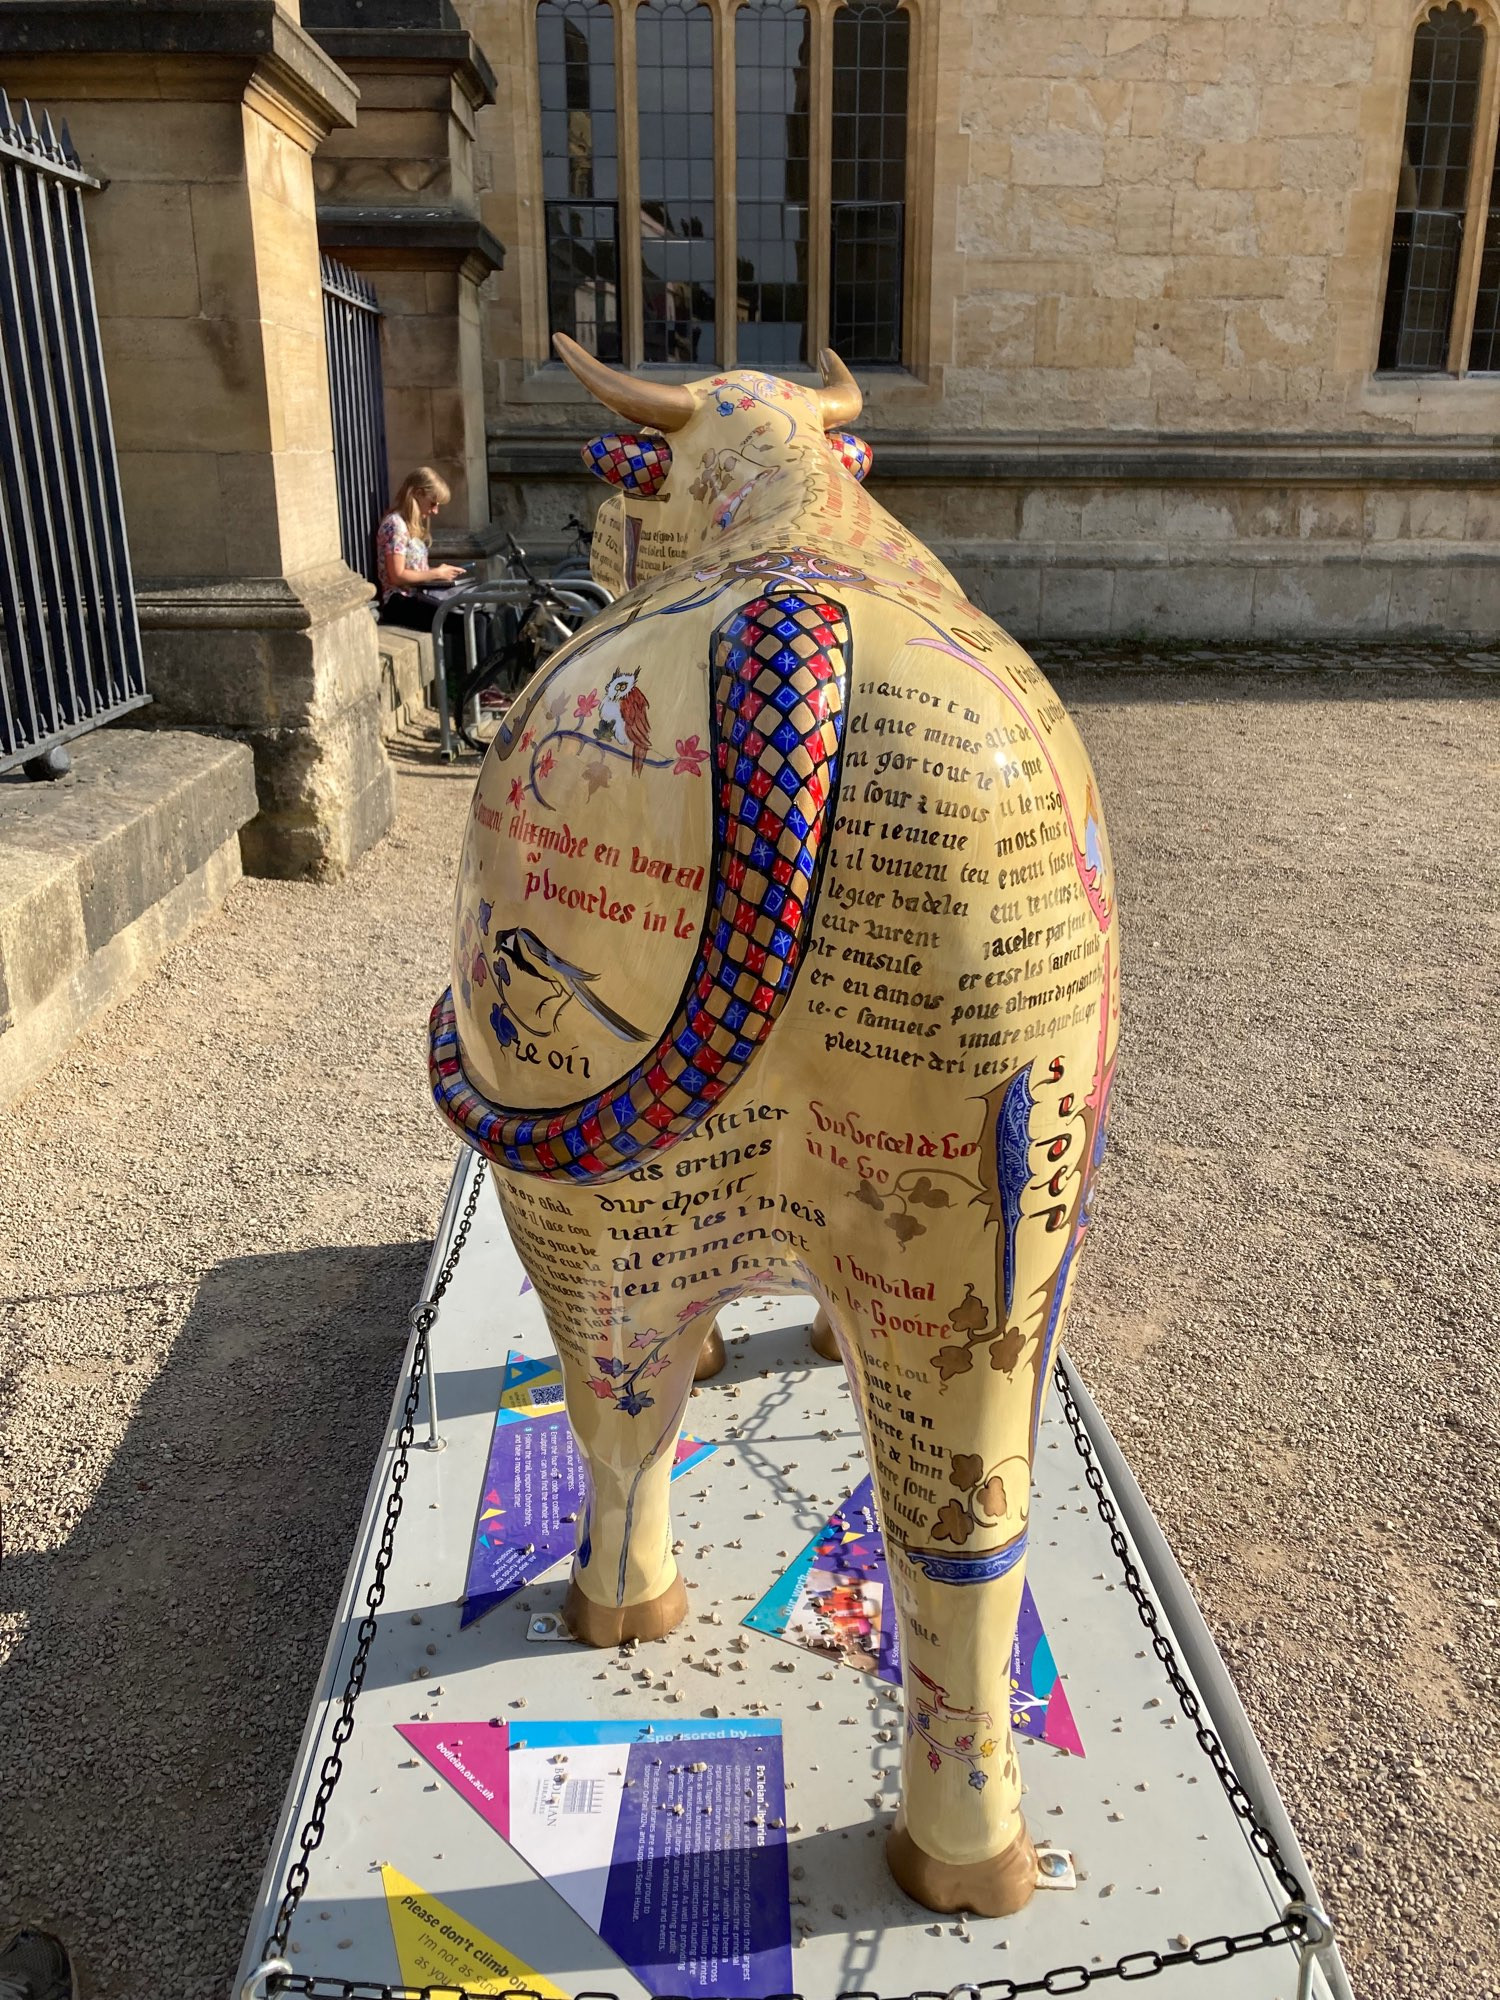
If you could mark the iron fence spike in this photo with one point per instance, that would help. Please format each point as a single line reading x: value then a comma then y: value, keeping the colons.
x: 28, y: 124
x: 49, y: 134
x: 7, y: 119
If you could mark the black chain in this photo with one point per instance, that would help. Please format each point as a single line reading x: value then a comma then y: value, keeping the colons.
x: 333, y: 1764
x: 1291, y: 1928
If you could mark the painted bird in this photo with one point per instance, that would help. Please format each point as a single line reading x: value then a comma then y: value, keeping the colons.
x: 541, y: 982
x: 627, y: 713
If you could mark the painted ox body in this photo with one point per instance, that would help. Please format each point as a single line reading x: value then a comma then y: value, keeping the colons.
x: 786, y: 959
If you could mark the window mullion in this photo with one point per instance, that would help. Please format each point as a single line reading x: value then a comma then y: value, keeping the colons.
x: 632, y: 340
x: 726, y: 219
x: 1476, y: 211
x: 820, y: 176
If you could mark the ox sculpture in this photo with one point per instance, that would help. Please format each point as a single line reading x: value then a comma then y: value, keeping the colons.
x: 786, y: 960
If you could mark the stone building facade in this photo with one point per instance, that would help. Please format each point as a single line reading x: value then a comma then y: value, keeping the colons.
x: 1146, y: 381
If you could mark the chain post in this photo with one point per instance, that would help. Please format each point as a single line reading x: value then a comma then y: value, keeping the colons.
x: 1317, y: 1937
x: 423, y: 1318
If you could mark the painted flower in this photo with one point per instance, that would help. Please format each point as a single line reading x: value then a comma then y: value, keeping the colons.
x: 963, y: 1743
x: 987, y: 1747
x: 545, y: 764
x: 503, y: 1025
x: 991, y: 1496
x: 904, y: 1227
x: 646, y: 1339
x: 979, y: 1779
x: 605, y: 1391
x: 516, y: 792
x: 967, y: 1470
x: 632, y: 1402
x: 584, y: 707
x: 609, y: 1364
x: 934, y: 1760
x: 528, y: 739
x: 691, y: 757
x: 952, y: 1361
x: 478, y: 970
x: 747, y: 402
x: 725, y: 409
x: 693, y: 1307
x: 485, y: 914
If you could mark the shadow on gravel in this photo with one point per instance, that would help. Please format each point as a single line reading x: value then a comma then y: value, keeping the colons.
x: 171, y: 1645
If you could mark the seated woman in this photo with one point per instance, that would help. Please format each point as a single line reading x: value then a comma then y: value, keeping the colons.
x: 411, y: 585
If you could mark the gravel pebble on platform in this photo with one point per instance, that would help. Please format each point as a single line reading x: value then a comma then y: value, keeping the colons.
x: 218, y: 1208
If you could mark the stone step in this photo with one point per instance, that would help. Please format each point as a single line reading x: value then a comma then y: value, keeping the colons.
x: 101, y: 871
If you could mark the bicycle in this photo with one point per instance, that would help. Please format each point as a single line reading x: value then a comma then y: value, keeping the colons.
x: 551, y: 610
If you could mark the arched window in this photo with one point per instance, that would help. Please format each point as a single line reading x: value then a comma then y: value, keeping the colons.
x: 1429, y: 287
x: 580, y: 182
x: 753, y: 207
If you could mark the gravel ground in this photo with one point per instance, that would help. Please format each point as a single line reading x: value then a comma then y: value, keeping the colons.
x: 218, y: 1210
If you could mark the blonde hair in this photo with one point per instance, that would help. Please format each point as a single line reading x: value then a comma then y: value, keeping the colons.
x: 423, y: 483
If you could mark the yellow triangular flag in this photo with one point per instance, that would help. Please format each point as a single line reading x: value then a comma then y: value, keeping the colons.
x: 437, y: 1947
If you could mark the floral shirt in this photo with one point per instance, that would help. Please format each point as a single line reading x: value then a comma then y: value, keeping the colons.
x: 396, y: 544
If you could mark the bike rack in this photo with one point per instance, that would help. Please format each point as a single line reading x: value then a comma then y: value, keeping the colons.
x: 579, y: 594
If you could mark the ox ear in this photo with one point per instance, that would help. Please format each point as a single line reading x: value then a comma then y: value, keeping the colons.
x: 639, y: 464
x: 853, y: 453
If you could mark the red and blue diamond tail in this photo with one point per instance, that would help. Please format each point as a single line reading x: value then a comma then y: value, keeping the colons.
x: 780, y: 669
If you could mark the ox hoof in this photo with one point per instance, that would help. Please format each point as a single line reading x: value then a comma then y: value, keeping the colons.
x: 711, y: 1356
x: 822, y: 1338
x: 994, y: 1888
x: 611, y: 1624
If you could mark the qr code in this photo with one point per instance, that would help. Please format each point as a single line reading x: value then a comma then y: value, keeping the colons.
x: 583, y: 1795
x: 552, y: 1393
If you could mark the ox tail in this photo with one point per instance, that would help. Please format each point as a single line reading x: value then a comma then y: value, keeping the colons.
x: 780, y: 672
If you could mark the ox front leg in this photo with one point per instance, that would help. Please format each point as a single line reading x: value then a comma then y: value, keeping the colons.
x: 626, y: 1401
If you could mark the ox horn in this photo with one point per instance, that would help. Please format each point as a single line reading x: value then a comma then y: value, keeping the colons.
x: 665, y: 406
x: 839, y: 398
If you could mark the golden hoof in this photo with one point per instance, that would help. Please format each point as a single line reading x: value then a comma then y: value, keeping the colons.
x: 711, y: 1356
x: 994, y: 1888
x: 611, y: 1624
x: 823, y: 1341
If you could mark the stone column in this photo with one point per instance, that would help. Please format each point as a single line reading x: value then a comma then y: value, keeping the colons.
x: 202, y: 120
x: 397, y: 201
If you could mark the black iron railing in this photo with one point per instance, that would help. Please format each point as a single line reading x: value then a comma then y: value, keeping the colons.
x: 70, y: 644
x: 351, y: 326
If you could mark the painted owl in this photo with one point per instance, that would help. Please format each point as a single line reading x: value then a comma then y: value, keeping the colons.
x: 625, y: 716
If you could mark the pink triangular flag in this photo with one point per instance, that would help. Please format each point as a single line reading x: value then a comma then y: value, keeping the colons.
x: 474, y: 1757
x: 1060, y: 1728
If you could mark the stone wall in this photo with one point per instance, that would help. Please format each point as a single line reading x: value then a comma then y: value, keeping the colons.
x: 1149, y: 225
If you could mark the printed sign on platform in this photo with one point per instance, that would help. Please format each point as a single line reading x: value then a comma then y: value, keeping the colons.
x: 668, y: 1842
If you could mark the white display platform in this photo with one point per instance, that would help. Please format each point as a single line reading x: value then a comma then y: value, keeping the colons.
x: 1160, y: 1854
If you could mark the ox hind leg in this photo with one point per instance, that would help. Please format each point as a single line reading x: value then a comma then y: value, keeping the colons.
x: 960, y: 1842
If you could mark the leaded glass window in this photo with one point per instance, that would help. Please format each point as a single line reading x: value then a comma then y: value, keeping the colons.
x: 580, y: 172
x: 868, y: 219
x: 675, y: 94
x: 772, y: 160
x: 656, y: 251
x: 1433, y: 192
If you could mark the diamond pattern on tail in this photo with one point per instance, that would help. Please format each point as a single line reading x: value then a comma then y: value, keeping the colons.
x: 780, y: 669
